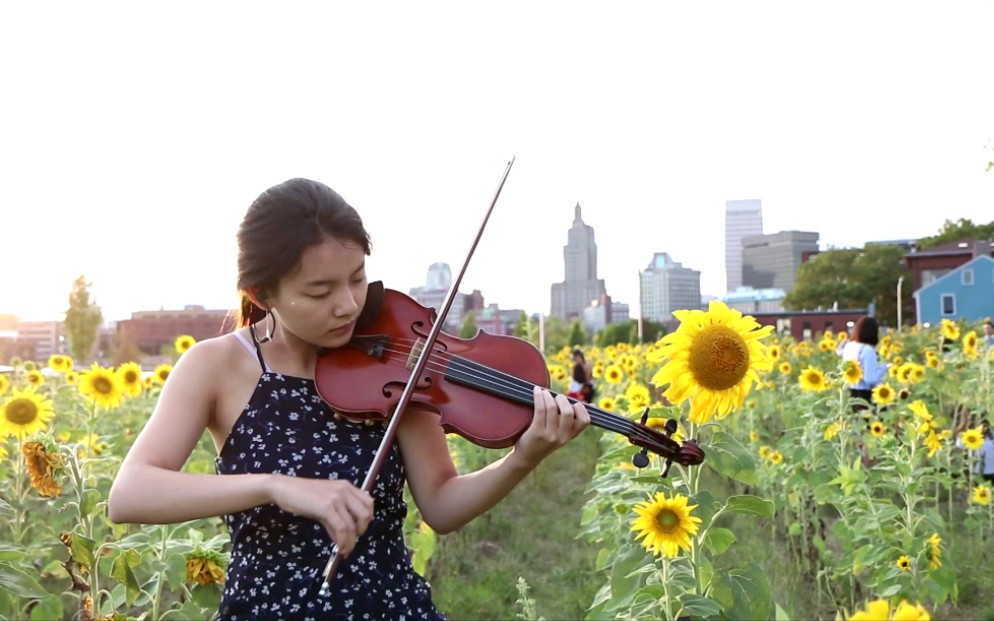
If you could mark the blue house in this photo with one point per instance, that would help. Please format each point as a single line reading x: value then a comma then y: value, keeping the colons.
x: 966, y: 292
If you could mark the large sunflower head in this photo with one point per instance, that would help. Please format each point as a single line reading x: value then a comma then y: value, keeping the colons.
x: 713, y: 358
x: 161, y: 373
x: 102, y: 385
x: 851, y: 371
x: 24, y: 413
x: 884, y: 394
x: 130, y: 376
x: 666, y: 524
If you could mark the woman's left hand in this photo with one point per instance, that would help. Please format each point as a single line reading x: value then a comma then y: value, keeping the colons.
x: 556, y: 421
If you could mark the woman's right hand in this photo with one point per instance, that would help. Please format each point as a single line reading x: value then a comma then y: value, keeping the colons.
x: 343, y: 509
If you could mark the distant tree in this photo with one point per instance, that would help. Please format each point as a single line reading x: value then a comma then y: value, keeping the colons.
x: 556, y: 333
x: 652, y: 331
x: 852, y: 278
x: 620, y: 332
x: 469, y: 328
x: 125, y: 349
x: 951, y: 231
x: 577, y: 334
x: 526, y: 329
x: 82, y: 320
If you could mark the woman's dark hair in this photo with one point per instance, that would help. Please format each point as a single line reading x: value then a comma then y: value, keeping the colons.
x: 866, y: 331
x: 280, y: 224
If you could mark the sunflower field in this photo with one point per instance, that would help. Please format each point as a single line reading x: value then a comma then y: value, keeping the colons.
x: 804, y: 507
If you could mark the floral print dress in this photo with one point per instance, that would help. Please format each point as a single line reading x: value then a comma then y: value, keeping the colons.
x: 277, y: 558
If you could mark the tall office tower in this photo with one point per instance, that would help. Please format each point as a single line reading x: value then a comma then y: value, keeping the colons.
x: 742, y: 219
x: 437, y: 285
x: 666, y: 286
x: 771, y: 261
x: 581, y: 285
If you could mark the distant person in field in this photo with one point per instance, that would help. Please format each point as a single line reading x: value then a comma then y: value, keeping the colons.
x: 290, y: 473
x: 581, y: 385
x: 861, y: 347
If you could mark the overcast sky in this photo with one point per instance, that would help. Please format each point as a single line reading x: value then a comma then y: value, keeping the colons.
x: 133, y: 136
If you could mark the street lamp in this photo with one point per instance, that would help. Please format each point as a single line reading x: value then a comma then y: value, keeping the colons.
x: 900, y: 280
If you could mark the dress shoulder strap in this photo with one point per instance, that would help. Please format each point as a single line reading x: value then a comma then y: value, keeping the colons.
x: 253, y: 347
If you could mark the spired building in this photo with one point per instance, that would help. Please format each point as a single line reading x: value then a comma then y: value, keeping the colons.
x: 743, y: 218
x: 581, y: 286
x: 666, y: 286
x: 432, y: 295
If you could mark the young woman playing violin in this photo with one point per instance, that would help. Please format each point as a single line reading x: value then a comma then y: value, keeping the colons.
x: 291, y: 470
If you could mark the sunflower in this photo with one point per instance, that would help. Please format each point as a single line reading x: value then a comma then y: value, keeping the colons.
x: 884, y: 394
x: 102, y: 385
x: 666, y: 524
x: 25, y: 412
x: 776, y: 457
x: 72, y: 378
x: 774, y: 352
x: 613, y: 374
x: 205, y: 567
x: 60, y: 363
x: 35, y: 378
x: 949, y: 330
x: 607, y: 403
x: 972, y: 439
x: 638, y: 396
x: 4, y: 383
x: 713, y: 359
x: 981, y: 495
x: 183, y: 343
x: 877, y: 428
x: 813, y: 380
x: 934, y: 551
x: 785, y: 368
x: 851, y: 371
x: 832, y: 430
x: 161, y: 373
x: 903, y: 563
x: 130, y: 376
x: 880, y: 610
x: 43, y: 465
x: 557, y: 372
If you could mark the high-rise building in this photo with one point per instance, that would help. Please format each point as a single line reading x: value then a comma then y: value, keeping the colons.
x: 432, y: 295
x: 771, y: 261
x: 581, y: 285
x: 665, y: 286
x: 743, y: 218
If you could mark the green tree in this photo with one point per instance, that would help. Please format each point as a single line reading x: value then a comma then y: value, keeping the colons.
x: 556, y: 333
x: 82, y: 320
x: 614, y: 333
x: 853, y: 278
x: 577, y: 334
x: 468, y: 329
x: 526, y: 329
x: 963, y: 228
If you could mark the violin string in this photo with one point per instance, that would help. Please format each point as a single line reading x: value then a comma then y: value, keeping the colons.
x: 512, y: 387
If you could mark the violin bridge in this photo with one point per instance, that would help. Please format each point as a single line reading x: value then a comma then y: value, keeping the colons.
x: 416, y: 349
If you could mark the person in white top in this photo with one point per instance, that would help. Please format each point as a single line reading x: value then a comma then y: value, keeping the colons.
x: 862, y: 347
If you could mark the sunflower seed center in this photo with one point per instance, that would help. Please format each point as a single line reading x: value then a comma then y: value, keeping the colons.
x: 719, y: 358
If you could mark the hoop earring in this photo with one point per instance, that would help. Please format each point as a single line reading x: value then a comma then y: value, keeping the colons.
x: 270, y: 326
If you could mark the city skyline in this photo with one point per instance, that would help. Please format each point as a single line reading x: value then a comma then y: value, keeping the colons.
x: 134, y: 169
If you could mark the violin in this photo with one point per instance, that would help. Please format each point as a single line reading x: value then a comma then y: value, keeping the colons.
x: 481, y: 387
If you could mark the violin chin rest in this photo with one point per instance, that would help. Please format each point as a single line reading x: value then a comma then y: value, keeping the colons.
x: 374, y: 304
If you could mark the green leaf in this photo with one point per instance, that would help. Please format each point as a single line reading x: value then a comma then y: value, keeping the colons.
x: 20, y: 583
x: 82, y: 549
x: 122, y: 572
x: 726, y: 456
x: 699, y: 607
x: 47, y: 609
x: 719, y: 540
x: 750, y: 505
x: 91, y: 498
x: 10, y: 553
x: 743, y: 593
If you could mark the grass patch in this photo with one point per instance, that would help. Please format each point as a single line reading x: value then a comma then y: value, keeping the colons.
x: 532, y: 534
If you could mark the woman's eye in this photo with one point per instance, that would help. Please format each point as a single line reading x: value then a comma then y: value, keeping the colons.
x: 316, y: 296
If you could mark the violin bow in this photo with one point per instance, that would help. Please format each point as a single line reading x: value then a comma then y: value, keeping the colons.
x: 334, y: 562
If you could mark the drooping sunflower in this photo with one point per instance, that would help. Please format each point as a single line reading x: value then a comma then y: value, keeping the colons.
x: 205, y: 567
x: 43, y: 464
x: 130, y: 376
x: 884, y: 394
x: 24, y: 413
x: 949, y: 329
x: 102, y: 385
x: 934, y: 551
x: 813, y: 380
x: 981, y: 495
x: 851, y: 371
x: 666, y: 525
x: 183, y: 343
x: 714, y: 358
